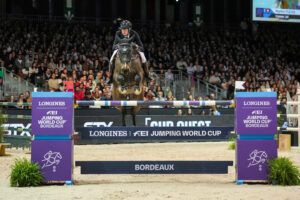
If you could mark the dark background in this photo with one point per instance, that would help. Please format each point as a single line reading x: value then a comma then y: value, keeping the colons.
x: 213, y: 11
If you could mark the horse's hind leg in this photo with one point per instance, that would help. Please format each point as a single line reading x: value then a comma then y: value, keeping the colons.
x: 123, y: 116
x: 133, y: 114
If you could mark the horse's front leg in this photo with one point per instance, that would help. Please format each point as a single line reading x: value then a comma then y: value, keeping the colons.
x: 121, y: 81
x: 138, y: 85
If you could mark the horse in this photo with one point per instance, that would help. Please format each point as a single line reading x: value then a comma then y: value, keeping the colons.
x: 128, y: 78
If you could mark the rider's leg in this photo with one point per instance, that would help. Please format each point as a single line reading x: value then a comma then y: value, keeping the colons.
x: 113, y: 55
x: 144, y: 65
x: 112, y: 66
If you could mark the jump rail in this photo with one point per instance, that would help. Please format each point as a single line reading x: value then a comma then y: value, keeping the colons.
x: 152, y: 103
x: 16, y: 116
x: 156, y: 103
x: 14, y: 104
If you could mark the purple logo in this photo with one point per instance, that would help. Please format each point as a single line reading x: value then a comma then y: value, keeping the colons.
x: 51, y: 159
x: 257, y: 157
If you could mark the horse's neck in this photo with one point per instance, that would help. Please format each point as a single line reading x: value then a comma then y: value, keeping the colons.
x: 135, y: 55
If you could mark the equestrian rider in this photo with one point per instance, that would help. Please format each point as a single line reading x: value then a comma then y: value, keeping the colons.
x: 125, y: 32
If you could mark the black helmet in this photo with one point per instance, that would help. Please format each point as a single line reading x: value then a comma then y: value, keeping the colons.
x: 125, y: 24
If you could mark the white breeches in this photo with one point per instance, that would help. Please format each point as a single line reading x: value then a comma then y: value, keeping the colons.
x: 144, y: 60
x: 113, y: 55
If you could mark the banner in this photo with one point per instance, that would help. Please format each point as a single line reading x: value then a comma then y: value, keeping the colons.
x: 83, y: 118
x: 113, y: 134
x: 54, y: 157
x: 52, y: 116
x: 253, y: 156
x: 52, y: 127
x: 256, y: 124
x: 156, y: 121
x: 256, y: 115
x: 154, y: 167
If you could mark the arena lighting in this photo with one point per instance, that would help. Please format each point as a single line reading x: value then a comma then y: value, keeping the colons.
x: 172, y: 2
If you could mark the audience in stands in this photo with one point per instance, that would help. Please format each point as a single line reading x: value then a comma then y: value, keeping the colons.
x: 74, y: 57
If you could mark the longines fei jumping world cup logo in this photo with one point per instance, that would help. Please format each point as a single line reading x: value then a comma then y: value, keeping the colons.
x: 257, y: 158
x: 51, y: 159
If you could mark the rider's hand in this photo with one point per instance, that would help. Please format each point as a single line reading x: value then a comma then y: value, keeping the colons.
x: 134, y: 45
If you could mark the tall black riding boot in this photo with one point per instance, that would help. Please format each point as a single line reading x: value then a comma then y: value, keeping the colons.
x: 111, y: 71
x: 146, y: 72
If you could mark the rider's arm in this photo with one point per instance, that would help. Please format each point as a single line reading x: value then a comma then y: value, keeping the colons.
x: 116, y: 41
x: 138, y: 41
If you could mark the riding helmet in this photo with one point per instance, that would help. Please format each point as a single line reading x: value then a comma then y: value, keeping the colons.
x: 125, y: 24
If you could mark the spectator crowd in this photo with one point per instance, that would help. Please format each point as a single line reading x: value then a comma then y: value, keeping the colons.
x: 75, y: 57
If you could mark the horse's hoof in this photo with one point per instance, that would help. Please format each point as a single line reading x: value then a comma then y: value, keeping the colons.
x: 137, y: 91
x: 122, y: 90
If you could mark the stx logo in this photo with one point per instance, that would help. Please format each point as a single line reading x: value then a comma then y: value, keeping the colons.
x: 97, y: 124
x: 14, y: 129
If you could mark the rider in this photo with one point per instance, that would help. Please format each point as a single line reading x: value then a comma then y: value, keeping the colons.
x: 125, y: 32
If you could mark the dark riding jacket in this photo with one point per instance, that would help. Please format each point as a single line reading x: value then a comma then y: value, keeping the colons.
x: 133, y: 37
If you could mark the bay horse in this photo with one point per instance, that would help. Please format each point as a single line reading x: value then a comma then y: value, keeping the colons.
x: 128, y: 78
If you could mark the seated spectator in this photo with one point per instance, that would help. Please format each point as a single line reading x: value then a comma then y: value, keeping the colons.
x: 214, y: 78
x: 97, y: 96
x: 88, y: 96
x: 189, y: 112
x: 20, y: 101
x: 69, y: 84
x: 179, y: 112
x: 53, y: 83
x: 170, y: 96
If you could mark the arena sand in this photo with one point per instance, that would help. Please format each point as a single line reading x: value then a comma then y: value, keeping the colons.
x: 139, y: 187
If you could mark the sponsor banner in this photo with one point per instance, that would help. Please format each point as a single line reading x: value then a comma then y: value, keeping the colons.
x: 14, y: 128
x: 157, y: 121
x: 22, y: 127
x: 256, y: 123
x: 97, y: 121
x: 52, y: 116
x: 54, y: 158
x: 52, y: 126
x: 154, y: 167
x: 185, y: 121
x: 256, y: 115
x: 155, y: 133
x: 252, y: 158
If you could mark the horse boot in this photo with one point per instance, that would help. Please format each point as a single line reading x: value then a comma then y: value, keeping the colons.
x: 146, y: 72
x: 137, y: 89
x: 122, y: 89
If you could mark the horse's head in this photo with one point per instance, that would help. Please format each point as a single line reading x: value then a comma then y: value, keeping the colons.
x: 127, y: 50
x: 125, y: 53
